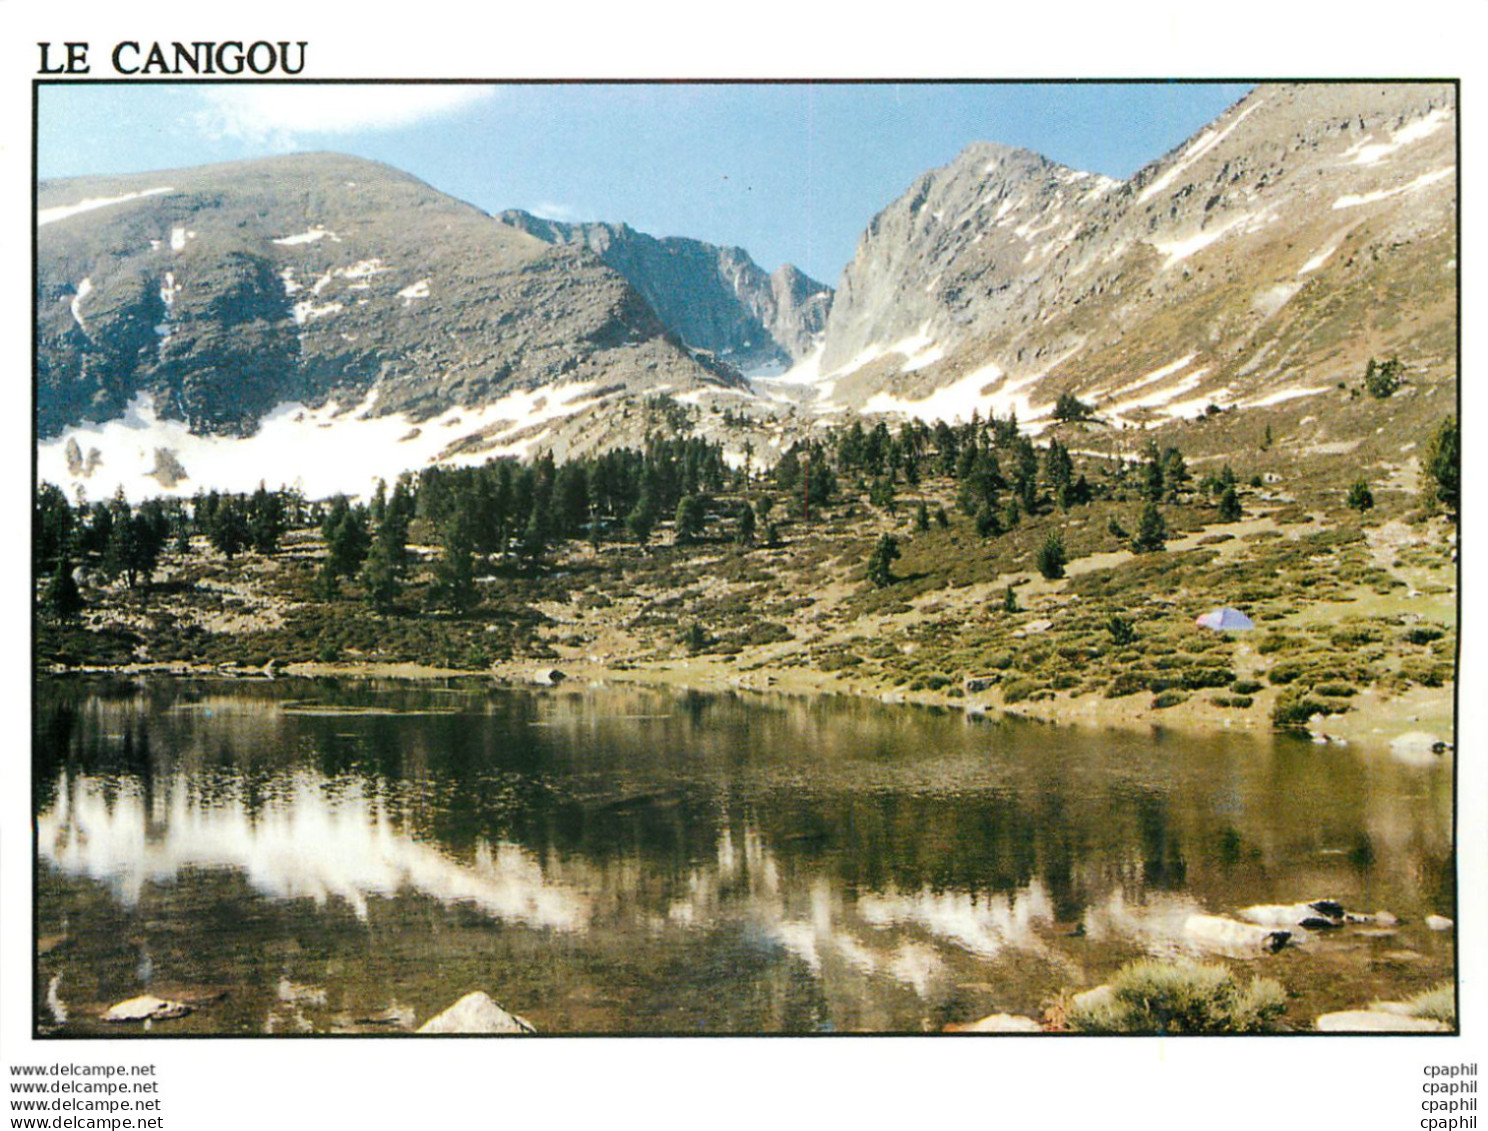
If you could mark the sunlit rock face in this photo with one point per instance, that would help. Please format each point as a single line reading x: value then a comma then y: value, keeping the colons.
x: 1237, y: 270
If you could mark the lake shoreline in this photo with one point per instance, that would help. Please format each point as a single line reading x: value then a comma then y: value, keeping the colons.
x: 1373, y: 720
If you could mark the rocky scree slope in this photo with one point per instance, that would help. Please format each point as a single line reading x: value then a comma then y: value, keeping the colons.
x: 716, y: 298
x: 1308, y: 228
x: 225, y: 290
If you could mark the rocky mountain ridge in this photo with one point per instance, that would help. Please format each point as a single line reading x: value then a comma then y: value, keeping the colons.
x: 222, y: 292
x: 716, y: 298
x: 1257, y: 266
x: 1309, y: 227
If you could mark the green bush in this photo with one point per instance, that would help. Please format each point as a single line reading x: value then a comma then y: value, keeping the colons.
x: 1246, y: 686
x: 1336, y: 690
x: 1168, y: 699
x: 1293, y: 708
x: 1127, y: 683
x: 1423, y: 635
x: 1234, y: 702
x: 1288, y: 671
x: 1277, y: 642
x: 1199, y: 677
x: 1017, y: 690
x: 1149, y: 996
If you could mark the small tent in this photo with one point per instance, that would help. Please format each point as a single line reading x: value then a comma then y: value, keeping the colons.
x: 1225, y: 620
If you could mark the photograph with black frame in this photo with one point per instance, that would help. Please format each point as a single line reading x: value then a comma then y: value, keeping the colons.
x: 496, y: 617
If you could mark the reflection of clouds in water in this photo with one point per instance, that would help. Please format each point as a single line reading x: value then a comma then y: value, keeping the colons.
x: 308, y: 841
x: 1156, y: 923
x: 916, y: 965
x: 983, y: 925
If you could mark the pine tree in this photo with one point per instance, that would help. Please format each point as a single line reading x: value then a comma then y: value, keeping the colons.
x: 1360, y: 497
x: 1152, y: 531
x: 1229, y: 506
x: 1051, y: 557
x: 228, y: 527
x: 266, y: 521
x: 1444, y: 463
x: 747, y: 526
x: 61, y: 598
x: 691, y: 510
x: 881, y: 562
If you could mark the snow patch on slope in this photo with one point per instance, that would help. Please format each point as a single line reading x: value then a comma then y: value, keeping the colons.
x: 1201, y: 145
x: 315, y: 233
x: 46, y: 216
x: 1353, y: 201
x: 985, y: 390
x: 1369, y: 152
x: 349, y: 448
x: 84, y: 289
x: 1279, y: 396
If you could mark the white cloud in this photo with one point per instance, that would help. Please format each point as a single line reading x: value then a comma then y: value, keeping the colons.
x: 277, y: 115
x: 563, y: 213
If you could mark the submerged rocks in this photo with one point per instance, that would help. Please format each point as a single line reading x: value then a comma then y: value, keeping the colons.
x: 1215, y: 932
x: 1321, y: 914
x: 146, y: 1007
x: 477, y: 1013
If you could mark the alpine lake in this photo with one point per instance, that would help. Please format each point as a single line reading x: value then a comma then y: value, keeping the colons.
x: 353, y: 856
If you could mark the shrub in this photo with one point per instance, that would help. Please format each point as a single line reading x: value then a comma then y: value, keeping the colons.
x: 1360, y: 497
x: 1121, y: 630
x: 1382, y: 379
x: 1423, y: 635
x: 1293, y: 708
x: 1168, y: 699
x: 1288, y: 671
x: 1277, y: 642
x: 1197, y: 677
x: 1336, y: 690
x: 1016, y: 690
x: 1246, y: 686
x: 1235, y: 702
x: 1126, y: 683
x: 1439, y: 1003
x: 1149, y: 996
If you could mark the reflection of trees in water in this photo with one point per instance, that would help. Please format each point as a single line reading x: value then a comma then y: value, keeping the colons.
x: 867, y: 796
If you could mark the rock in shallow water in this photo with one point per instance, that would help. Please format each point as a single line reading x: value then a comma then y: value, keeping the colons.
x: 476, y: 1013
x: 146, y: 1007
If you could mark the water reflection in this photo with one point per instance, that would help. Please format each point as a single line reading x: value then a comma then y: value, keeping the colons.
x: 627, y: 861
x: 305, y: 837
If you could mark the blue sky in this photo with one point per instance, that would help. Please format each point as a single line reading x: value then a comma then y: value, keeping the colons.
x: 791, y: 172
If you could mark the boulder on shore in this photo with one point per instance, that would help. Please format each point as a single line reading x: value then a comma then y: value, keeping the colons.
x: 476, y: 1013
x: 1377, y: 1021
x: 997, y: 1023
